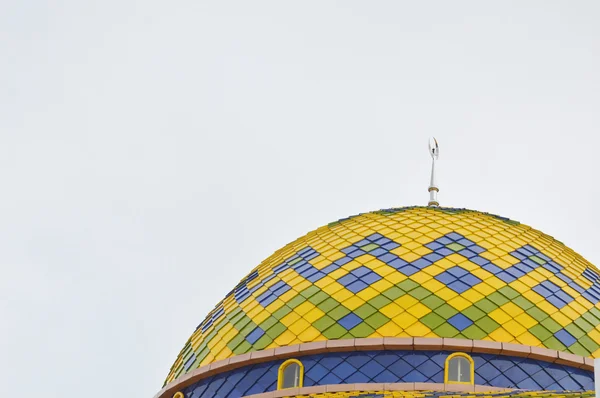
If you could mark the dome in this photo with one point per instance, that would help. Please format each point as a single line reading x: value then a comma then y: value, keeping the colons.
x: 408, y: 272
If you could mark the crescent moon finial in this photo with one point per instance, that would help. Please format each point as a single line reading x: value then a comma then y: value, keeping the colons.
x: 434, y: 151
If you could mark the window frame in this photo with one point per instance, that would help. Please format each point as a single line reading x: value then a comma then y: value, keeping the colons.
x: 282, y: 368
x: 471, y: 368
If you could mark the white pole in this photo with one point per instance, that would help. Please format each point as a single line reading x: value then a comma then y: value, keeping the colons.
x: 597, y: 376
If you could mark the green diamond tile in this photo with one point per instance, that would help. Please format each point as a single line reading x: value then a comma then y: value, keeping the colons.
x: 579, y: 349
x: 283, y: 311
x: 536, y: 314
x: 334, y: 332
x: 379, y: 301
x: 310, y: 291
x: 551, y: 325
x: 523, y: 302
x: 473, y: 313
x: 393, y: 293
x: 377, y: 320
x: 328, y: 305
x: 323, y: 323
x: 588, y: 344
x: 361, y: 330
x: 318, y: 298
x: 583, y: 324
x: 486, y: 305
x: 296, y: 301
x: 432, y: 320
x: 267, y: 323
x: 488, y: 324
x: 554, y: 343
x: 407, y: 285
x: 276, y: 330
x: 474, y: 332
x: 537, y: 260
x: 455, y: 246
x: 339, y: 312
x: 540, y: 332
x: 509, y: 292
x: 574, y: 330
x: 432, y: 302
x: 446, y: 330
x: 365, y: 310
x: 263, y: 342
x: 369, y: 247
x: 498, y: 299
x: 420, y: 293
x: 243, y: 348
x: 445, y: 311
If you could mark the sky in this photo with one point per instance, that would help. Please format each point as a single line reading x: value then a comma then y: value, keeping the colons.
x: 152, y: 153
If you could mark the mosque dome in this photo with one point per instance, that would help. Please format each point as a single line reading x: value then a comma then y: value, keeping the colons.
x: 387, y: 296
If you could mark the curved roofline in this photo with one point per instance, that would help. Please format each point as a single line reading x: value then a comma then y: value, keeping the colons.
x: 380, y: 343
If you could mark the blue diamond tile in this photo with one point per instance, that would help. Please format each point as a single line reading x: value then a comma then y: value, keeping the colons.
x: 350, y: 321
x: 460, y: 322
x: 565, y: 337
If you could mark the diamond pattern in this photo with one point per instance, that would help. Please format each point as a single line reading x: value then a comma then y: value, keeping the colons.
x: 394, y: 366
x: 408, y: 272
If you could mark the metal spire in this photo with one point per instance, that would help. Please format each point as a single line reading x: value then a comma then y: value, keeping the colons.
x: 434, y: 151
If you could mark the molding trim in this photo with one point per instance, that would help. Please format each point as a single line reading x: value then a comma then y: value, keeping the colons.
x: 374, y: 344
x: 438, y: 387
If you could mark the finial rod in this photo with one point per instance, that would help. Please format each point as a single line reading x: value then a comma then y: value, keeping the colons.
x: 434, y: 151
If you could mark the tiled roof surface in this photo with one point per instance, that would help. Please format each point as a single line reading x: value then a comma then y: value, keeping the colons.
x: 408, y: 272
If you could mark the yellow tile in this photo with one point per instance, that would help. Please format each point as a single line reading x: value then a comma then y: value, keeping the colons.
x: 446, y: 294
x: 512, y: 309
x: 285, y: 338
x: 501, y: 335
x: 460, y: 303
x: 396, y: 278
x: 299, y: 326
x: 529, y: 339
x: 514, y: 328
x: 290, y: 319
x: 406, y: 301
x: 382, y: 285
x: 368, y: 293
x: 420, y: 277
x: 561, y: 319
x: 410, y: 257
x: 526, y: 320
x: 418, y: 310
x: 390, y: 329
x: 567, y: 311
x: 418, y: 329
x: 484, y: 289
x: 308, y: 335
x: 313, y: 315
x: 342, y: 295
x: 304, y: 308
x: 472, y: 295
x: 546, y: 307
x: 495, y: 282
x: 261, y: 316
x: 404, y: 320
x: 500, y: 316
x: 391, y: 310
x: 353, y: 302
x: 433, y: 285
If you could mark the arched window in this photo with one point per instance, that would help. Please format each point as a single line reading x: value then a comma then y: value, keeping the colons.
x: 291, y: 374
x: 460, y: 369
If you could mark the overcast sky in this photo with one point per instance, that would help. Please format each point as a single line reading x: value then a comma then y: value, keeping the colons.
x: 152, y: 153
